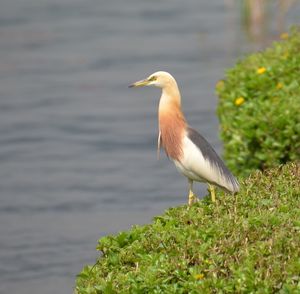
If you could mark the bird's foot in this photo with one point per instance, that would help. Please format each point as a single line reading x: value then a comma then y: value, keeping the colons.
x: 211, y: 190
x: 192, y: 198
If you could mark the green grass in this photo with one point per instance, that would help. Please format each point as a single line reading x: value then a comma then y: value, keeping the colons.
x: 248, y: 243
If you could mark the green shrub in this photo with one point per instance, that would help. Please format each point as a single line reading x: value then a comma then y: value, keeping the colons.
x: 248, y: 243
x: 259, y: 107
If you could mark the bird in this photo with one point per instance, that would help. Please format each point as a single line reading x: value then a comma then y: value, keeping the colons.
x: 191, y: 153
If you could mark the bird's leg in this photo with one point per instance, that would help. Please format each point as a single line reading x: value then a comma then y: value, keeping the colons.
x: 212, y: 192
x: 192, y: 196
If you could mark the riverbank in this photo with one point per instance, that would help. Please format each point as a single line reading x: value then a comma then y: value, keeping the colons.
x: 248, y: 242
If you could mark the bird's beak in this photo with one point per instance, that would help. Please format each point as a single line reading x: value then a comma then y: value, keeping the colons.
x: 141, y: 83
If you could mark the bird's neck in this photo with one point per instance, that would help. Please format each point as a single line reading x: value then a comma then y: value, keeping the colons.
x: 172, y: 123
x: 170, y: 103
x: 170, y: 97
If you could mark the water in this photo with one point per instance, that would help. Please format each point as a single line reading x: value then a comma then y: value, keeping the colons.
x: 77, y: 147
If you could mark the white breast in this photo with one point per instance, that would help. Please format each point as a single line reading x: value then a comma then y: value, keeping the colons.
x: 194, y: 166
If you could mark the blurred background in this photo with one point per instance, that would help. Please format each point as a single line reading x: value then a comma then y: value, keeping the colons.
x: 77, y: 147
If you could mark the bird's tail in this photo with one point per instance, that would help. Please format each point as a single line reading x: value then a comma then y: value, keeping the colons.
x: 231, y: 184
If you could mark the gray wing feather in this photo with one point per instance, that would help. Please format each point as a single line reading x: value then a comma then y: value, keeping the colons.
x: 214, y: 159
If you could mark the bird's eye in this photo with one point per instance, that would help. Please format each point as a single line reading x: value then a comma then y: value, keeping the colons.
x: 153, y: 78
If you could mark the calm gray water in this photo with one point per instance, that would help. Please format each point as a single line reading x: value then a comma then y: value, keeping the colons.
x: 77, y: 147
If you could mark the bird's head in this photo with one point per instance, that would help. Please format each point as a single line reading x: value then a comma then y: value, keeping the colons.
x: 159, y: 79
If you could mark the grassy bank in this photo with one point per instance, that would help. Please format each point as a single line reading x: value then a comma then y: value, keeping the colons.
x: 247, y: 243
x: 259, y: 107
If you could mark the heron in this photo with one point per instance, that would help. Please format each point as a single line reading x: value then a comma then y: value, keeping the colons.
x: 192, y: 155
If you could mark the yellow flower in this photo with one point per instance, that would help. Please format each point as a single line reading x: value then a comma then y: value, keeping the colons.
x: 284, y: 36
x: 261, y: 70
x: 199, y: 276
x: 279, y: 86
x: 239, y: 101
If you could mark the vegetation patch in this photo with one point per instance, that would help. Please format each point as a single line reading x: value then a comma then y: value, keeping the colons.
x: 259, y: 107
x: 248, y: 243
